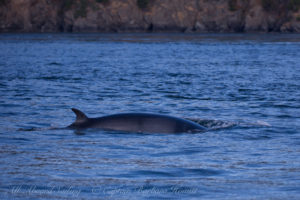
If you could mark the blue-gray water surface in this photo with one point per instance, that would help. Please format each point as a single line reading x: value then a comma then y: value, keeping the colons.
x: 244, y: 88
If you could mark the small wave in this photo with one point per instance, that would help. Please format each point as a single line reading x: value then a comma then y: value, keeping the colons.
x: 263, y: 123
x: 50, y: 78
x: 202, y: 172
x: 55, y: 78
x: 220, y: 124
x: 38, y: 129
x: 213, y: 124
x: 180, y: 172
x: 258, y: 123
x: 180, y: 97
x: 55, y: 63
x: 154, y: 173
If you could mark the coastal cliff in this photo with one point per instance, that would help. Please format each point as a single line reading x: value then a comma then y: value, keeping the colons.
x: 150, y: 16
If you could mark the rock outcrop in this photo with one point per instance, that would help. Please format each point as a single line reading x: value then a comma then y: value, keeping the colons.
x: 149, y: 16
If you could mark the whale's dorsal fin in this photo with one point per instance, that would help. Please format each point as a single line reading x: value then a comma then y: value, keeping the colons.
x: 80, y: 116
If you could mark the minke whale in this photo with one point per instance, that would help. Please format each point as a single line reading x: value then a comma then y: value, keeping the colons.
x: 137, y: 123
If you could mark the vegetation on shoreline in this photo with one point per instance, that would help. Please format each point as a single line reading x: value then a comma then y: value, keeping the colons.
x: 102, y: 1
x: 269, y: 5
x: 142, y: 4
x: 3, y: 2
x: 130, y: 15
x: 232, y: 5
x: 277, y: 5
x: 294, y: 5
x: 82, y: 5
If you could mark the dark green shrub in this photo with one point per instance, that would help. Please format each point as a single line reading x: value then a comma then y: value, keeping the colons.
x: 280, y: 5
x: 102, y: 1
x: 232, y: 5
x: 270, y: 5
x: 3, y: 2
x: 294, y: 5
x: 82, y: 9
x: 68, y: 4
x: 142, y: 3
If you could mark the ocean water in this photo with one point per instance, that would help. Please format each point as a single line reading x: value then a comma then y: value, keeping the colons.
x: 244, y: 88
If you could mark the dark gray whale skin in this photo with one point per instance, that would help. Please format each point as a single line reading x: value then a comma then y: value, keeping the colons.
x: 136, y: 122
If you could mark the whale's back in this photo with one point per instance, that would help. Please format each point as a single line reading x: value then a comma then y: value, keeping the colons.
x: 140, y: 123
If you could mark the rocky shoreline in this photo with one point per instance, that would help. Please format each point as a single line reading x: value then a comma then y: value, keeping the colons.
x: 150, y: 16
